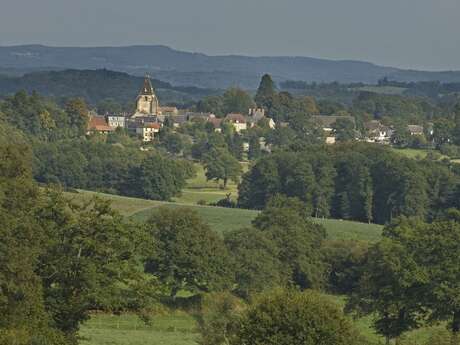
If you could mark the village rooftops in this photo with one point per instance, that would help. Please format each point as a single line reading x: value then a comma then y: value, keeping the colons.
x: 236, y: 118
x: 99, y: 124
x: 415, y: 129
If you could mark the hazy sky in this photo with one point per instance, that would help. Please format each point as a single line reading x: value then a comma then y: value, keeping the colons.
x: 423, y: 34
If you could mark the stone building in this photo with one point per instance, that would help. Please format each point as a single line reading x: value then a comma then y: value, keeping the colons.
x: 147, y: 102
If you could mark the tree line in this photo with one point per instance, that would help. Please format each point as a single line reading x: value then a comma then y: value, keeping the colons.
x: 362, y: 182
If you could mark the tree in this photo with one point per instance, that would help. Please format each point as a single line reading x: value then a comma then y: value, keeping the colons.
x: 286, y: 221
x: 287, y: 317
x: 257, y: 267
x: 221, y: 165
x: 265, y: 93
x: 91, y: 259
x: 236, y: 100
x: 386, y: 290
x: 217, y: 318
x: 345, y: 260
x: 442, y: 131
x: 434, y: 250
x: 344, y: 130
x: 157, y: 178
x: 77, y: 111
x: 187, y: 254
x: 212, y: 104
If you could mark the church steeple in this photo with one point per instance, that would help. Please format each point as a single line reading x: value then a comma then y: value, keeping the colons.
x: 147, y: 102
x: 147, y: 89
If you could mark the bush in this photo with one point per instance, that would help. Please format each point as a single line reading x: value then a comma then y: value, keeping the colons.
x: 287, y: 317
x: 450, y: 150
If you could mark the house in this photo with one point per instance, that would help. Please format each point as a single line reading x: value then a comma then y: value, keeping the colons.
x: 192, y: 116
x: 257, y: 114
x: 148, y: 130
x: 168, y: 111
x: 116, y: 121
x: 217, y: 123
x: 238, y: 121
x: 327, y: 122
x: 415, y: 129
x: 178, y: 120
x: 377, y: 133
x: 98, y: 124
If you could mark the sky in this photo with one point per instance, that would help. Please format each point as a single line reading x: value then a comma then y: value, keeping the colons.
x: 417, y: 34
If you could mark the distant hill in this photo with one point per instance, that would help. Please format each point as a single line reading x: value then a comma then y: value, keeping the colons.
x: 97, y: 85
x: 184, y: 68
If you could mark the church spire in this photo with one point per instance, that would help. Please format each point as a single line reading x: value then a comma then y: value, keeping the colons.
x: 147, y: 89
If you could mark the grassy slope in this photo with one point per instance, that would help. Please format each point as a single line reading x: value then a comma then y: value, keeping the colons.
x: 225, y: 219
x: 179, y: 329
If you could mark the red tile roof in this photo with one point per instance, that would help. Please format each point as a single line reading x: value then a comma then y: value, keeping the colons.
x: 153, y: 125
x: 98, y: 124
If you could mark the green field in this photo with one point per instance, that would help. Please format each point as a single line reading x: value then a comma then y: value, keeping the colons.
x: 198, y: 188
x: 385, y: 90
x: 179, y: 328
x: 225, y: 219
x: 127, y: 329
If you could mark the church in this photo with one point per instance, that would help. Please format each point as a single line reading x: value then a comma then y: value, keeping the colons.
x: 147, y: 103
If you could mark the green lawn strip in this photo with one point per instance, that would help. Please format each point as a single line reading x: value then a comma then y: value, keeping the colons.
x: 128, y: 329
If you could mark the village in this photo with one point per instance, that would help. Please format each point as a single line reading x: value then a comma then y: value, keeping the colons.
x: 149, y: 117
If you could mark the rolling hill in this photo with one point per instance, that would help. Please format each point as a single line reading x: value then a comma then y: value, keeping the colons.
x: 195, y: 69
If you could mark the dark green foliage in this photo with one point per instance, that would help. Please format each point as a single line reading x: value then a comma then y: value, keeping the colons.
x: 236, y: 100
x: 257, y: 266
x: 98, y: 87
x: 358, y: 181
x: 58, y: 260
x: 344, y: 130
x: 221, y: 165
x: 42, y: 119
x: 91, y: 260
x: 187, y: 254
x: 288, y: 317
x: 344, y: 260
x: 113, y: 168
x: 157, y: 178
x: 386, y: 289
x: 265, y: 93
x: 286, y: 222
x: 217, y: 318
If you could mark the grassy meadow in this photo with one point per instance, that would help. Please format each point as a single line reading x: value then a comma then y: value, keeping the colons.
x: 175, y: 327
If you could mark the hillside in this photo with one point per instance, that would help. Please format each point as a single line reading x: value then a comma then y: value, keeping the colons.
x: 185, y: 68
x: 96, y: 85
x: 226, y: 219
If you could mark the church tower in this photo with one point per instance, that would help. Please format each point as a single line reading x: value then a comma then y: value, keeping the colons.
x: 147, y: 102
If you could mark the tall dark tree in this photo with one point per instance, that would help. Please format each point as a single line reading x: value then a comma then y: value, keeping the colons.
x: 187, y: 254
x: 265, y: 93
x: 287, y: 222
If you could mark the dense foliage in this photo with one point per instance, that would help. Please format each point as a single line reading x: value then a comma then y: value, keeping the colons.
x: 358, y: 182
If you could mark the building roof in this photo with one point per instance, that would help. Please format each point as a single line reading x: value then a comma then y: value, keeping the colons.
x: 236, y: 118
x: 169, y: 109
x: 415, y: 129
x: 216, y: 122
x: 147, y: 88
x: 178, y: 118
x: 153, y: 125
x: 99, y: 124
x: 328, y: 121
